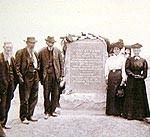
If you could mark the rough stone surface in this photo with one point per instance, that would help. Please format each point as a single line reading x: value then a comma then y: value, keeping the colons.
x: 84, y: 66
x: 84, y: 101
x: 84, y: 75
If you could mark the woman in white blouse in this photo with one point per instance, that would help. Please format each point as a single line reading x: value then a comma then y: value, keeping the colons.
x: 115, y: 77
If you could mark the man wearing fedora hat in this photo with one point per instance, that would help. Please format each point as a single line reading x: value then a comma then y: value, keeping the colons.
x: 27, y: 71
x: 51, y: 73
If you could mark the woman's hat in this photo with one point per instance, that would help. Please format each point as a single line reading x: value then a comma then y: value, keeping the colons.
x: 116, y: 44
x: 137, y: 45
x: 127, y: 46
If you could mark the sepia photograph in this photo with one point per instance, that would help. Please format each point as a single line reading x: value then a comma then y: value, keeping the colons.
x: 74, y: 68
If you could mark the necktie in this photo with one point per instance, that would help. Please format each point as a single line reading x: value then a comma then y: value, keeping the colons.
x: 32, y: 56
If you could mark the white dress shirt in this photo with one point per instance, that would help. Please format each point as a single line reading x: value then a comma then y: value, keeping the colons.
x: 115, y: 62
x: 50, y: 48
x: 32, y: 55
x: 7, y: 57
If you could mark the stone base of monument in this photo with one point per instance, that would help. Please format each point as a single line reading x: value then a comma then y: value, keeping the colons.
x: 84, y: 101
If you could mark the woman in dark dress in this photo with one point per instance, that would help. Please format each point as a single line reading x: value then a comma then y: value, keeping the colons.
x: 136, y: 102
x: 115, y: 76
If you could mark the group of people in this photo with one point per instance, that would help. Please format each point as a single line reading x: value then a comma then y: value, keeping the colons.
x: 125, y: 75
x: 27, y: 68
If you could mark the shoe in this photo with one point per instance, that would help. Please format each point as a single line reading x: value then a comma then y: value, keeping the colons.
x: 147, y: 120
x: 46, y: 116
x: 58, y: 110
x: 54, y: 114
x: 25, y: 121
x: 32, y: 119
x: 129, y: 118
x: 6, y: 127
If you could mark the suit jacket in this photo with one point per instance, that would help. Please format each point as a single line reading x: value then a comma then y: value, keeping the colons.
x: 4, y: 74
x: 23, y: 61
x: 58, y: 63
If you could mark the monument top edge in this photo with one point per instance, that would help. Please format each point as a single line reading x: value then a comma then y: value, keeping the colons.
x: 96, y: 41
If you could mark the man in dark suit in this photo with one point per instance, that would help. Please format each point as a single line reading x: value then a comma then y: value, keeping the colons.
x: 27, y: 71
x: 51, y: 73
x: 7, y: 82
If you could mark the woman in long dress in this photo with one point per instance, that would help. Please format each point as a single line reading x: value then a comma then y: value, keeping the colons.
x: 115, y: 76
x: 136, y: 102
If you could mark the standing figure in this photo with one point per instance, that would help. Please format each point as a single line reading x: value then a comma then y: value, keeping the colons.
x: 7, y: 82
x: 51, y: 73
x: 64, y: 42
x: 115, y: 77
x: 27, y: 71
x: 127, y: 51
x: 136, y: 102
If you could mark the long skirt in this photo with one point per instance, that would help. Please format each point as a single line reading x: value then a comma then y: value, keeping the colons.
x: 114, y: 104
x: 136, y: 102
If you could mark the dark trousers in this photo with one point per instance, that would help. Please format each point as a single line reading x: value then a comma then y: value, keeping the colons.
x: 9, y: 97
x: 60, y: 92
x: 6, y: 103
x: 58, y: 98
x: 2, y: 108
x: 51, y: 94
x: 2, y: 133
x: 28, y: 92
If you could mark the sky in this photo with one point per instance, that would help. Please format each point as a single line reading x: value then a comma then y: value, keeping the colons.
x: 113, y: 19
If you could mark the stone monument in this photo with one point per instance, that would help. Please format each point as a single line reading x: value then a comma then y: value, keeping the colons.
x: 84, y: 72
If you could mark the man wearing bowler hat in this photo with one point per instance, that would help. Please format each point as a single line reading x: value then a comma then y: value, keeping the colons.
x: 51, y: 73
x: 27, y: 71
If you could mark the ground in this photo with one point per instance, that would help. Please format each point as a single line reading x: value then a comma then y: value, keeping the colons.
x: 73, y: 123
x: 80, y: 124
